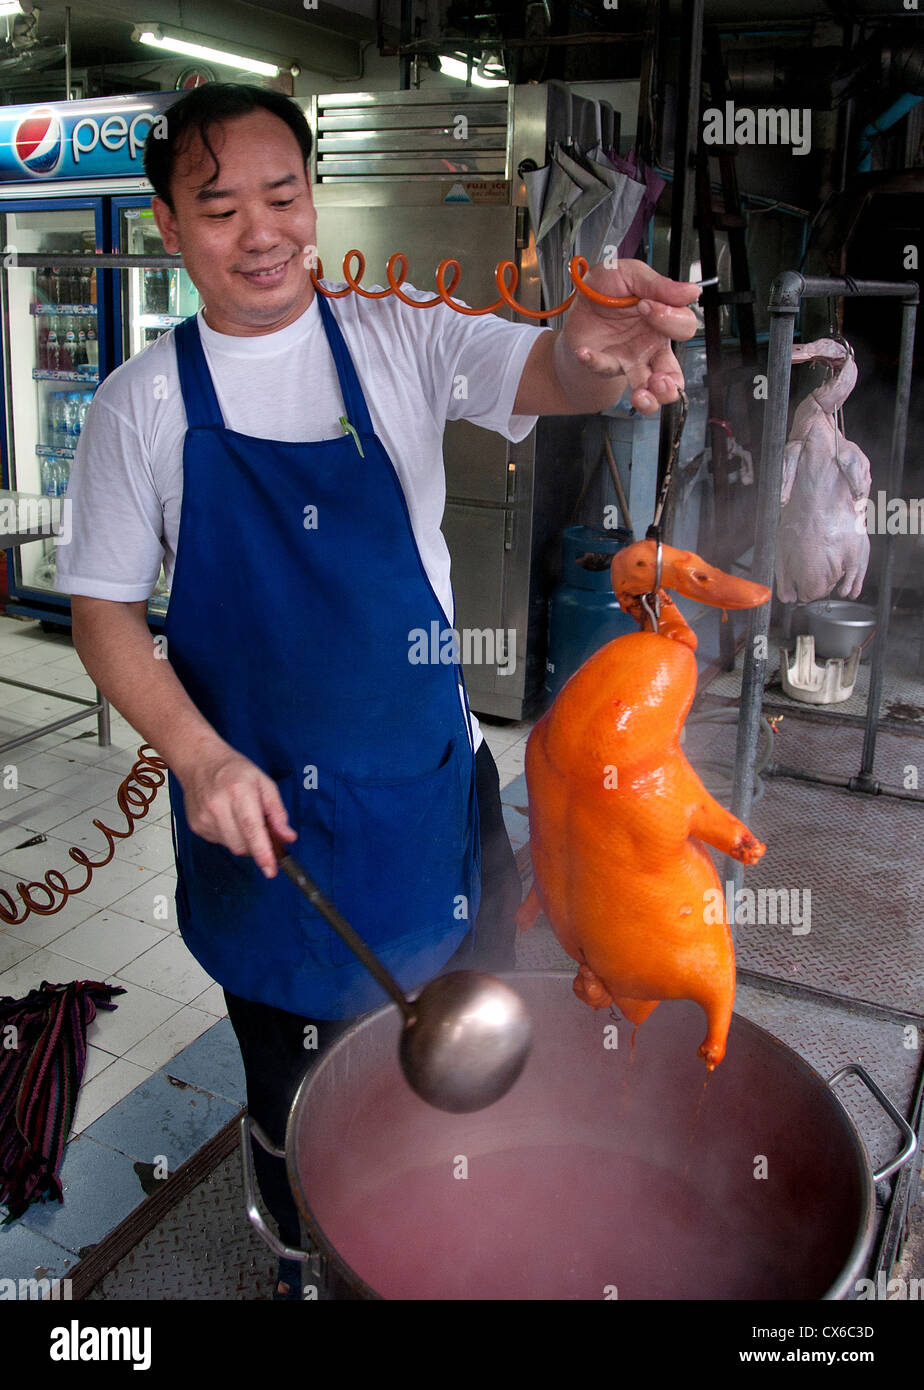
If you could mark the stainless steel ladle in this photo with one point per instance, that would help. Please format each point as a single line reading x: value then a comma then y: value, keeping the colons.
x: 466, y: 1035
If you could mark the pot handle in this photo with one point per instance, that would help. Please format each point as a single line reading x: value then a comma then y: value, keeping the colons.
x: 254, y: 1215
x: 910, y: 1144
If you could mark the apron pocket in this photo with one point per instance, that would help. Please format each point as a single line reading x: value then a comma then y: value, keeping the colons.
x: 398, y: 857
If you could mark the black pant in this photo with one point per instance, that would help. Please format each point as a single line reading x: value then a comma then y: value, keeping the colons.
x: 272, y: 1040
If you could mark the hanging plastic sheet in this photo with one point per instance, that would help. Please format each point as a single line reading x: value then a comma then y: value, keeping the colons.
x: 583, y: 203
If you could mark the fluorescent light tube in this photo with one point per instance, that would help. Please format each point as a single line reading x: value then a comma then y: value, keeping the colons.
x: 149, y: 35
x: 454, y: 67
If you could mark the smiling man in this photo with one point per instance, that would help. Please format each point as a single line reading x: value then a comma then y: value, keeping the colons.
x: 281, y: 452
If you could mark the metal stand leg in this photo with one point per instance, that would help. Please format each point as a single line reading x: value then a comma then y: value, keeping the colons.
x: 785, y: 301
x: 102, y: 721
x: 865, y: 781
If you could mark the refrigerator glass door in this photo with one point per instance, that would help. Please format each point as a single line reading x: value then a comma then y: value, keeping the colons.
x: 153, y: 302
x: 52, y: 360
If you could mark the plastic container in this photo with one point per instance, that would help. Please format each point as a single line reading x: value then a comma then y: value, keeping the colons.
x: 583, y: 612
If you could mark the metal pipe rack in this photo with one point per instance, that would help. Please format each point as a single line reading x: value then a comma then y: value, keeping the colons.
x: 786, y: 296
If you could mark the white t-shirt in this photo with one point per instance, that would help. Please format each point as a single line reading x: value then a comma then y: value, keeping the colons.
x: 417, y: 368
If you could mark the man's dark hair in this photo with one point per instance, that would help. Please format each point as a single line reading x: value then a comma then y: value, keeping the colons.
x: 202, y: 109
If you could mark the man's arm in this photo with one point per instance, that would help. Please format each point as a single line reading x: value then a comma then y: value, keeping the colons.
x: 227, y: 797
x: 584, y: 368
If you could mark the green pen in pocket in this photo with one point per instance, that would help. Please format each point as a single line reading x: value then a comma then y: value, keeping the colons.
x: 349, y: 429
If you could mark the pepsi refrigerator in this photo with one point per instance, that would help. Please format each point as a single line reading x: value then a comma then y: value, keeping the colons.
x: 72, y: 183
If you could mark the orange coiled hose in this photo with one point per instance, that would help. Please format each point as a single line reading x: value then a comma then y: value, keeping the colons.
x: 147, y: 774
x: 506, y: 277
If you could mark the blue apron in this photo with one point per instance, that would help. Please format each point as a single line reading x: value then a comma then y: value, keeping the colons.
x: 297, y: 589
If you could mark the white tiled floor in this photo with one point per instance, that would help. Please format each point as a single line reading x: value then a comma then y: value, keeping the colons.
x: 122, y: 928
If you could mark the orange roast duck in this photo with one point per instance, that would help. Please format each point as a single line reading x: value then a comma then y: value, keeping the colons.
x: 618, y: 818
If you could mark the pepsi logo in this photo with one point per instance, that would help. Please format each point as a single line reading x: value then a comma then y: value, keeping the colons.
x: 38, y: 142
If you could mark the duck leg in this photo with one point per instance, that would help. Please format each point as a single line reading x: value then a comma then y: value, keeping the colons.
x: 718, y: 1009
x: 528, y: 911
x: 716, y: 826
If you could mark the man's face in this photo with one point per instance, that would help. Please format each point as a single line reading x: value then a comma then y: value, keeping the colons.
x: 244, y: 236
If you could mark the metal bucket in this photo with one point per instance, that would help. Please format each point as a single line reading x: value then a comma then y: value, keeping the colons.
x: 838, y: 625
x: 609, y: 1171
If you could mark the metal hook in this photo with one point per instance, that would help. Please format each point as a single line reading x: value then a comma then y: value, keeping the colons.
x: 653, y: 609
x: 839, y: 338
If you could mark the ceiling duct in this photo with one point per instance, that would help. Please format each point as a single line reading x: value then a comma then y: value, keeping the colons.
x: 778, y: 73
x: 888, y: 63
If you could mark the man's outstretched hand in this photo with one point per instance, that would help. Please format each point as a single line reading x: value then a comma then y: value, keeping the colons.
x: 635, y: 341
x: 584, y: 368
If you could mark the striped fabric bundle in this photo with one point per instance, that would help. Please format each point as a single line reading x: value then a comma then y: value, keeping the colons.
x: 43, y: 1052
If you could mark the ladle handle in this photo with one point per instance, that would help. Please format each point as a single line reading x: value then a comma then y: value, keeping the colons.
x: 341, y: 926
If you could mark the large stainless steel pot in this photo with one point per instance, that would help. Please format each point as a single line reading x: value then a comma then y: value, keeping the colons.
x: 608, y: 1171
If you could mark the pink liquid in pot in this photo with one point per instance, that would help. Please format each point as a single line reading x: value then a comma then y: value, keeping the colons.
x: 563, y: 1222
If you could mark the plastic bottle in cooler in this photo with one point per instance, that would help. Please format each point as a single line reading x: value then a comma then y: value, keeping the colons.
x: 63, y: 283
x: 57, y: 426
x: 64, y: 361
x: 80, y: 350
x: 52, y: 350
x: 64, y: 438
x: 72, y: 419
x: 84, y: 284
x: 156, y: 294
x: 69, y: 351
x: 85, y: 399
x: 92, y: 349
x: 53, y: 476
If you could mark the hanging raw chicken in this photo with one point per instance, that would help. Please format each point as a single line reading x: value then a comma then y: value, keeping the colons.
x: 822, y: 540
x: 618, y: 818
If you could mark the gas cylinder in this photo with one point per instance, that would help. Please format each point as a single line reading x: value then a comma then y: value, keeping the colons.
x: 583, y: 611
